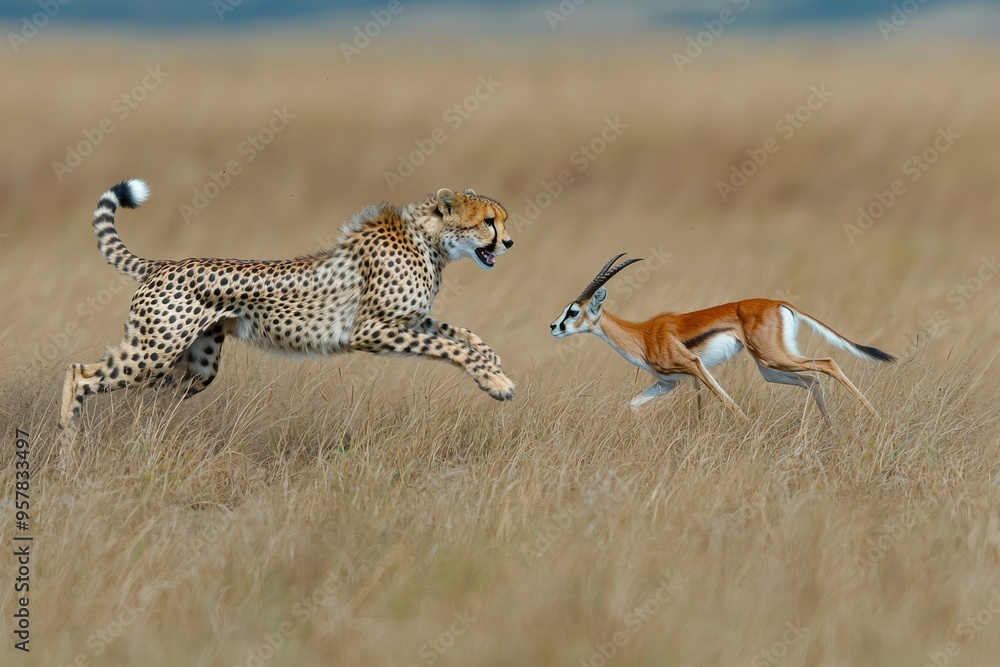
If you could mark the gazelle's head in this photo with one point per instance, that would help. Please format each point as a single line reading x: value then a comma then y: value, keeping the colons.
x: 584, y: 313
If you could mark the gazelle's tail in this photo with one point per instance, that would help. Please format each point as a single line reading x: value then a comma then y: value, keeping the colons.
x: 838, y: 341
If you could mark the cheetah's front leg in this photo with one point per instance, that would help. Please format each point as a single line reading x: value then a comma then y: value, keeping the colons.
x: 460, y: 335
x: 389, y: 339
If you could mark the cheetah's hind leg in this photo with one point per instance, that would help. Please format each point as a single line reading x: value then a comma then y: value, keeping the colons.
x: 198, y: 365
x: 139, y: 360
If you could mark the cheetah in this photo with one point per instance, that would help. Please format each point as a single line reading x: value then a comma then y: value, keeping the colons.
x: 371, y: 292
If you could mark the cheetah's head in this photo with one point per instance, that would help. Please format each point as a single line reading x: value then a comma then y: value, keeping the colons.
x: 473, y: 226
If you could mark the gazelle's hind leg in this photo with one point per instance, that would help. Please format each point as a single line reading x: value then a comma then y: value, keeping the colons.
x: 808, y: 382
x: 830, y: 367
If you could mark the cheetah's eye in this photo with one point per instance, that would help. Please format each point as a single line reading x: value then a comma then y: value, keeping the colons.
x: 489, y: 221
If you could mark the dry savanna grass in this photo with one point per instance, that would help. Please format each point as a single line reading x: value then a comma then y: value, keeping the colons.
x: 361, y: 510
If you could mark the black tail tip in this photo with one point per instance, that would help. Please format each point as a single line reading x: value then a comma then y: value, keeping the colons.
x: 131, y: 193
x: 875, y: 353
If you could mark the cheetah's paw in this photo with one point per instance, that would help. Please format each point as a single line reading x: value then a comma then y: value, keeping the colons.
x: 498, y: 385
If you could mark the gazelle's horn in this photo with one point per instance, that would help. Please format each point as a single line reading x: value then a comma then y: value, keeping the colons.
x: 604, y: 275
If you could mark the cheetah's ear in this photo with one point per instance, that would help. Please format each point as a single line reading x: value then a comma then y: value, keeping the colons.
x: 446, y: 199
x: 469, y: 191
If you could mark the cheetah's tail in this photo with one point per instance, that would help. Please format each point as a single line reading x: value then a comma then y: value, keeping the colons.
x: 130, y: 194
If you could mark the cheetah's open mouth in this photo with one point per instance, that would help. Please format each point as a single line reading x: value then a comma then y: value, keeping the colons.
x: 486, y: 258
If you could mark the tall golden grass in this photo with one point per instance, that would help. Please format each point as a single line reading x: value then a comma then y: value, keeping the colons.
x: 361, y: 510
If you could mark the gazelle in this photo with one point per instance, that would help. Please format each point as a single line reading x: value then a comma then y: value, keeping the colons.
x: 672, y: 346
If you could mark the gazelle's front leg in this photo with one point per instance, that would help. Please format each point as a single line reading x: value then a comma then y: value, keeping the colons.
x: 662, y: 387
x: 390, y: 339
x: 700, y: 372
x: 691, y: 364
x: 458, y: 334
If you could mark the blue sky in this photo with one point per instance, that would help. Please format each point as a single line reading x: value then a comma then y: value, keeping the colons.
x: 160, y: 15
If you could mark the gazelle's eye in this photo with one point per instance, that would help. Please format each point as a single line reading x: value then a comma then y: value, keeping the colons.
x: 488, y: 221
x: 573, y: 312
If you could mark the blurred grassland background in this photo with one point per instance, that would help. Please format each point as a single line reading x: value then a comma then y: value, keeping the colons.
x: 361, y: 510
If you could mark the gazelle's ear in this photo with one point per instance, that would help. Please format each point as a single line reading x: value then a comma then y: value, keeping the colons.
x: 446, y: 199
x: 597, y: 299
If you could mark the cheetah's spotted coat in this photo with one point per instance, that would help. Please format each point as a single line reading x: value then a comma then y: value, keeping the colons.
x: 370, y: 292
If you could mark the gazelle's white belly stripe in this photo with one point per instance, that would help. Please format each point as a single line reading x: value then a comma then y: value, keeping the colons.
x: 718, y: 349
